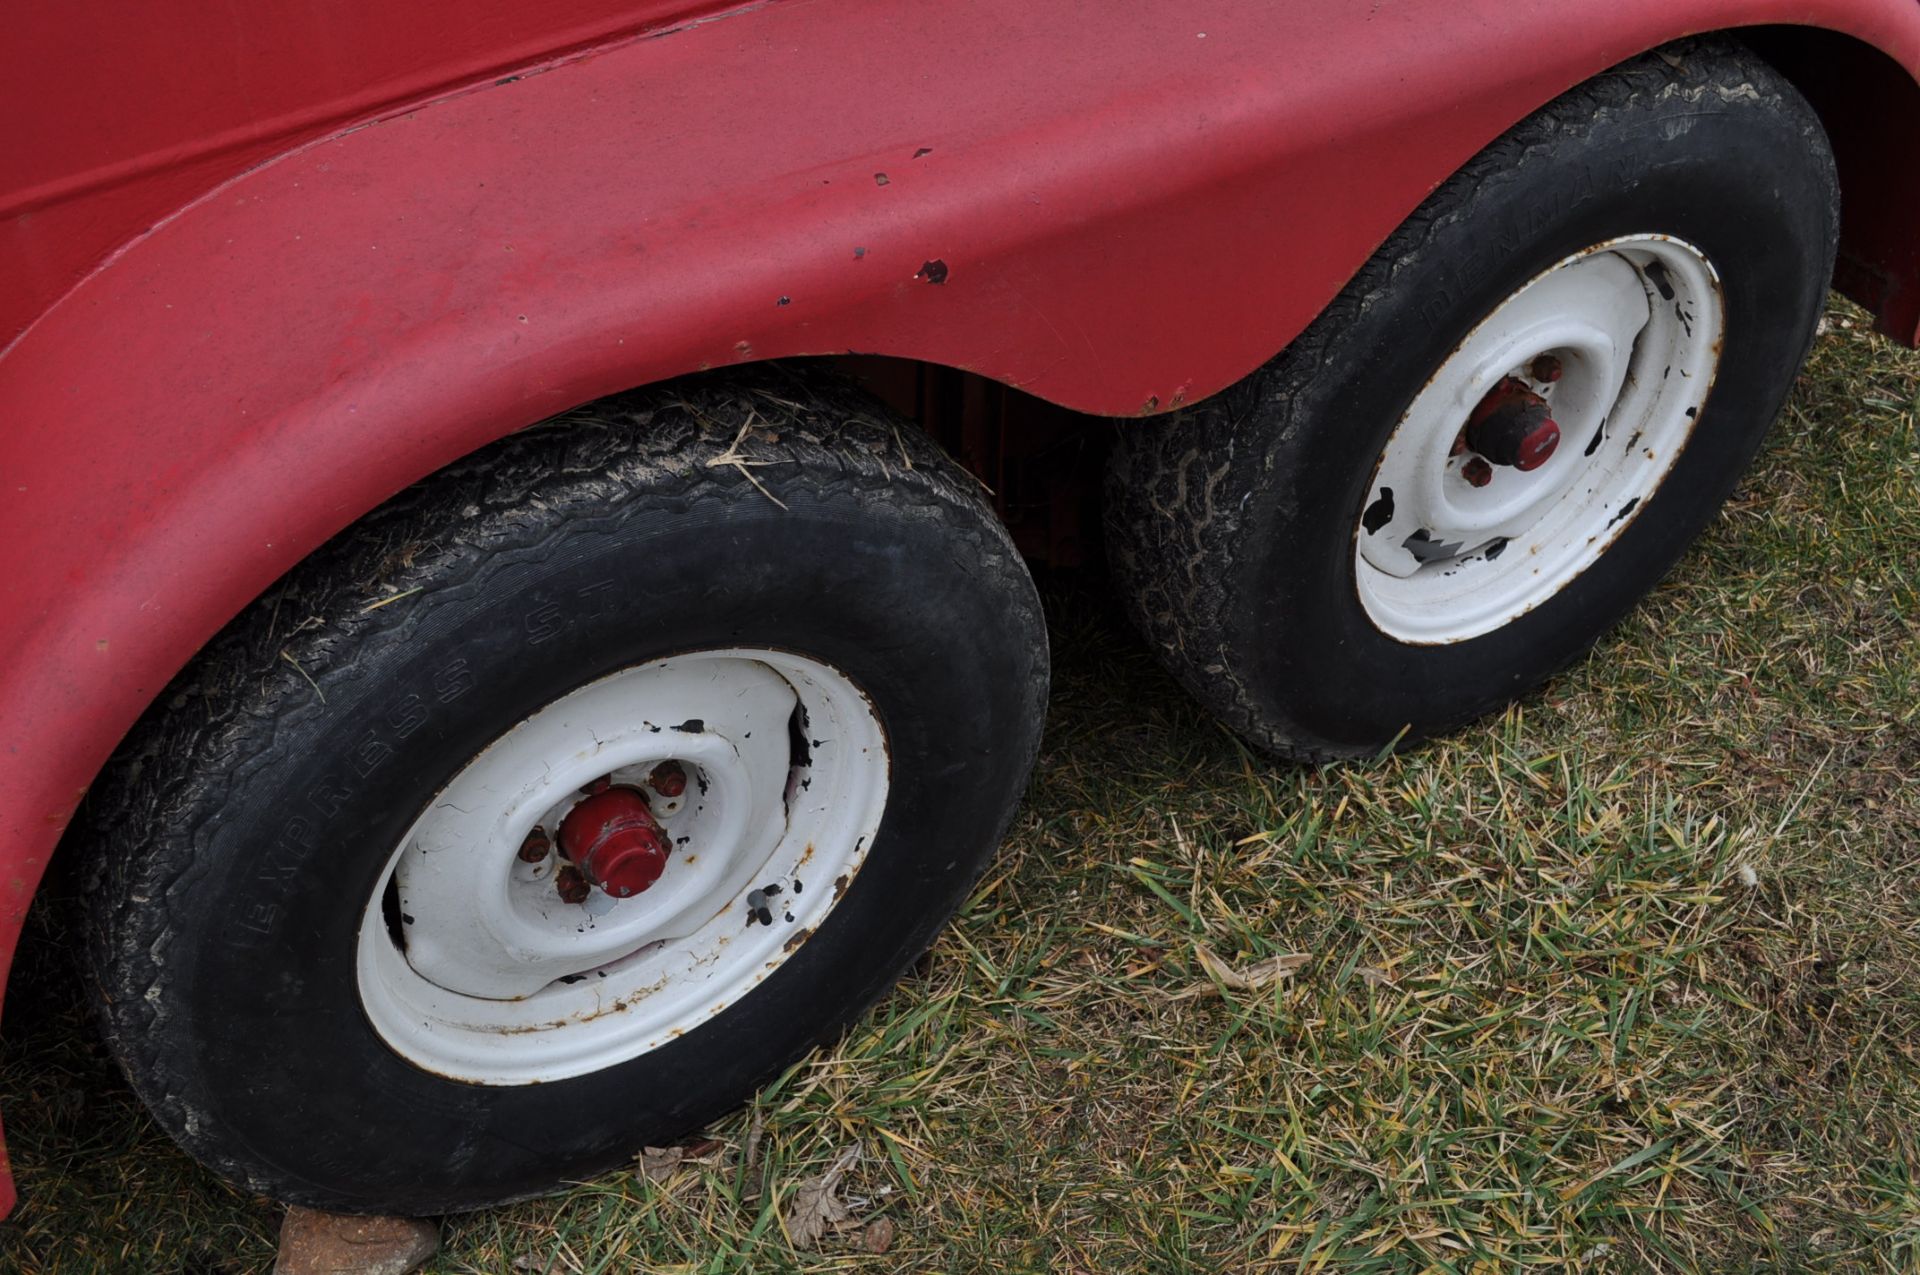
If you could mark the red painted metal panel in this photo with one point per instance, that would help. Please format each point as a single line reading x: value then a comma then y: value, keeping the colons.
x: 1115, y: 207
x: 132, y: 119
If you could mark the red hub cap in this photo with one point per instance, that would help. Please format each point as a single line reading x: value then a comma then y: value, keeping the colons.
x: 1512, y: 426
x: 615, y: 840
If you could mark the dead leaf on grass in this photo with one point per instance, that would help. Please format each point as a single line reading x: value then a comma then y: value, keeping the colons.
x: 657, y: 1164
x: 1251, y: 977
x: 879, y: 1235
x: 817, y: 1208
x: 750, y: 1159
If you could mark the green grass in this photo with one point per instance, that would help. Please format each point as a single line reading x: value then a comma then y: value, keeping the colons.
x: 1627, y: 979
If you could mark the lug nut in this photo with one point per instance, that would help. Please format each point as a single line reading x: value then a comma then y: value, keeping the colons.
x: 572, y: 885
x: 1477, y: 471
x: 669, y: 779
x: 1547, y: 368
x: 536, y: 847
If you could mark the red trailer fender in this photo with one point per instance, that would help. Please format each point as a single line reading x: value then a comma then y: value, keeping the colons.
x: 1117, y: 208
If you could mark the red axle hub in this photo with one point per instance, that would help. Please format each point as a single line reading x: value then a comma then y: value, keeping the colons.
x: 1512, y: 426
x: 615, y: 840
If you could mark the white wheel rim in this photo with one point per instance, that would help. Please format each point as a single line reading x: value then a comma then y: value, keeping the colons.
x: 501, y: 982
x: 1636, y: 323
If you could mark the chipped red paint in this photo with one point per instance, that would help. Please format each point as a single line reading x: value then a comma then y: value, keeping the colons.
x: 267, y: 264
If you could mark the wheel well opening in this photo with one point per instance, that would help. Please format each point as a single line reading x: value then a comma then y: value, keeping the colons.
x: 1040, y: 462
x: 1870, y: 107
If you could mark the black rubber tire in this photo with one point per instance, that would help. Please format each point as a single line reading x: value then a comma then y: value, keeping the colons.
x: 224, y: 954
x: 1230, y: 525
